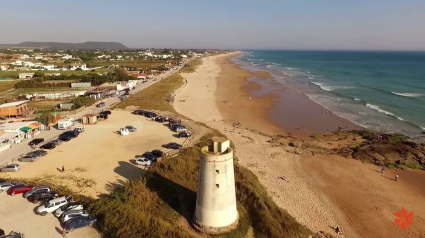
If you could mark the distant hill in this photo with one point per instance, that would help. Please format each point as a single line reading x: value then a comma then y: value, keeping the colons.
x: 90, y: 45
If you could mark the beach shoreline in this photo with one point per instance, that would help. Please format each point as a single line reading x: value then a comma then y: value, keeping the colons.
x: 320, y: 191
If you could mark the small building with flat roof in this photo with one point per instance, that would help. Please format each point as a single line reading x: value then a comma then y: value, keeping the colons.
x: 14, y: 109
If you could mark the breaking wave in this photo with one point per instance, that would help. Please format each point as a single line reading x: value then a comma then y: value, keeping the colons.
x: 376, y: 108
x: 357, y: 99
x: 410, y: 95
x: 329, y: 88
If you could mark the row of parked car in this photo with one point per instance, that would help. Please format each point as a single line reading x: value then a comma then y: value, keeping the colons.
x: 36, y: 154
x: 174, y: 125
x: 71, y: 214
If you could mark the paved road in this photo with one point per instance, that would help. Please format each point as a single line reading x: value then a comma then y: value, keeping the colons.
x: 18, y: 149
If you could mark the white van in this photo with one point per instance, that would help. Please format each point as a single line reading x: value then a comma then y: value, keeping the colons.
x: 52, y: 205
x: 64, y: 124
x: 79, y: 129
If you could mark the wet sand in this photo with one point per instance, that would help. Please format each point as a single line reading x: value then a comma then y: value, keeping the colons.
x: 274, y: 107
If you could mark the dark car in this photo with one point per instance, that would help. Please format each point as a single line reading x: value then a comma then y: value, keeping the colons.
x: 173, y: 145
x: 149, y: 156
x: 2, y: 181
x: 72, y: 134
x: 157, y: 153
x: 139, y: 112
x: 36, y: 141
x: 103, y: 116
x: 42, y: 196
x: 65, y: 138
x: 38, y: 153
x: 106, y: 112
x: 79, y: 222
x: 172, y: 124
x: 160, y: 119
x: 184, y: 134
x: 150, y: 115
x: 49, y: 146
x: 102, y: 104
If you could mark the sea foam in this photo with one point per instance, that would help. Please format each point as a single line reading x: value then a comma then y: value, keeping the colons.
x: 410, y: 95
x: 357, y: 99
x: 329, y: 88
x: 376, y: 108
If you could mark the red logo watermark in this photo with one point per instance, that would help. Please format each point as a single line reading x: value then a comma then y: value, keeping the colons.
x: 403, y: 218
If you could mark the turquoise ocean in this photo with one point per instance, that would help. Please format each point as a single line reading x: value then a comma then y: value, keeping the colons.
x: 380, y: 91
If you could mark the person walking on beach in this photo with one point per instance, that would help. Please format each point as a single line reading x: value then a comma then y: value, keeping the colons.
x: 396, y: 177
x: 63, y: 169
x: 383, y: 169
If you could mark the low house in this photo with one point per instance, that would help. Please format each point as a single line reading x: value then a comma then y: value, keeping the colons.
x: 79, y: 67
x: 67, y: 57
x: 14, y: 109
x: 81, y: 85
x: 26, y: 75
x: 90, y: 119
x: 3, y: 68
x: 139, y: 76
x: 66, y: 105
x: 48, y: 67
x: 26, y: 129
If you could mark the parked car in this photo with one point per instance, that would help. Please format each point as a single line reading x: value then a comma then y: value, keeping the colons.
x: 36, y: 141
x: 138, y: 112
x: 42, y: 196
x: 49, y: 146
x: 79, y: 129
x: 38, y: 153
x: 171, y: 124
x: 103, y: 116
x: 52, y: 205
x: 2, y: 181
x: 11, y: 168
x: 20, y: 188
x: 101, y: 104
x: 72, y: 134
x: 68, y: 215
x: 79, y: 222
x: 57, y: 141
x: 36, y: 190
x: 106, y: 112
x: 143, y: 161
x: 173, y: 145
x: 157, y: 153
x: 131, y: 128
x: 184, y: 134
x: 149, y: 156
x: 65, y: 138
x: 159, y: 119
x: 179, y: 128
x: 70, y: 206
x: 28, y: 158
x: 5, y: 186
x: 150, y: 115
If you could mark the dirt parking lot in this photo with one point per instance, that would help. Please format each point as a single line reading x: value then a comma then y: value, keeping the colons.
x: 17, y: 214
x: 100, y: 157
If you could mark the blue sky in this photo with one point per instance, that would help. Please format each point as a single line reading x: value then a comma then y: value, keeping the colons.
x: 232, y: 24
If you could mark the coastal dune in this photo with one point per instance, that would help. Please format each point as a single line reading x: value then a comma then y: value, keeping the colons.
x: 319, y: 190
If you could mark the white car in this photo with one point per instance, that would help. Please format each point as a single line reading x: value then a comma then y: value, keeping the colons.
x: 5, y: 186
x: 143, y: 161
x: 73, y: 213
x: 52, y: 205
x: 67, y: 207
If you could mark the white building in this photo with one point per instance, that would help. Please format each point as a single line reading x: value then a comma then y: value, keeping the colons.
x: 82, y: 67
x: 119, y: 56
x: 3, y: 68
x: 23, y: 57
x: 67, y: 57
x: 215, y: 210
x: 184, y: 56
x: 101, y: 56
x: 17, y: 63
x: 26, y: 75
x: 48, y: 67
x: 38, y: 57
x: 28, y: 64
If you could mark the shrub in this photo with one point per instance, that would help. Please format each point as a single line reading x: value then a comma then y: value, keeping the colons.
x: 82, y: 101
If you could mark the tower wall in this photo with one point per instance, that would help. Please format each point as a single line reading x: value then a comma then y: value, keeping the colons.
x: 216, y: 198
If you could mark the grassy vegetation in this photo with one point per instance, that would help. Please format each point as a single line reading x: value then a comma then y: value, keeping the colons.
x: 6, y: 85
x: 155, y: 96
x: 191, y: 66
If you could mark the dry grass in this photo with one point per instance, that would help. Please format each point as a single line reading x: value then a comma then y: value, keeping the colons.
x: 155, y: 96
x: 6, y: 85
x: 191, y: 66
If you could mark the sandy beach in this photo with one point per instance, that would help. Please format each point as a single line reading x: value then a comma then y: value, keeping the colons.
x: 320, y: 191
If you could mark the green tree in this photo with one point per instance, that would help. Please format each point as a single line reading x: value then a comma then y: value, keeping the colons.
x: 44, y: 61
x: 67, y: 61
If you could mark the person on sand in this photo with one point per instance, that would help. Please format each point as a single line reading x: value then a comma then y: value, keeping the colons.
x: 383, y: 169
x: 63, y: 168
x: 396, y: 177
x: 338, y: 230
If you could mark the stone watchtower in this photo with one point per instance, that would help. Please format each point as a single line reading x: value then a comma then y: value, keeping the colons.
x: 216, y: 198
